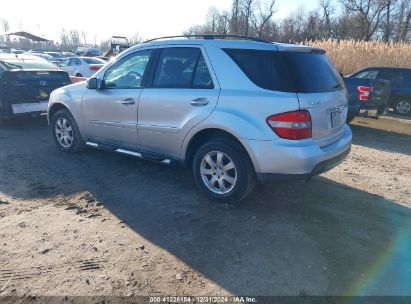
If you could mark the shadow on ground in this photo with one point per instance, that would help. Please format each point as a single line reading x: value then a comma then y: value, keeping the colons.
x: 381, y: 140
x: 311, y: 238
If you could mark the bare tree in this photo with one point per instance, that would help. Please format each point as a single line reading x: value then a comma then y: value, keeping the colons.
x: 248, y: 11
x: 6, y: 28
x: 64, y: 38
x: 235, y: 16
x: 213, y: 17
x: 135, y: 39
x: 367, y: 14
x: 264, y: 19
x: 403, y: 18
x: 385, y: 20
x: 74, y: 38
x: 328, y: 12
x: 83, y: 34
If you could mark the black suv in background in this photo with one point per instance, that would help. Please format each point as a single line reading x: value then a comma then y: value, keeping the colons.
x: 400, y: 80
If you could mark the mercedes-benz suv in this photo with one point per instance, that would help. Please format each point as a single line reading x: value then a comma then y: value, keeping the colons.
x: 235, y: 111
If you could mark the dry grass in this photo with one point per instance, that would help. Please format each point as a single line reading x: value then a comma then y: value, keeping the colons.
x: 349, y: 56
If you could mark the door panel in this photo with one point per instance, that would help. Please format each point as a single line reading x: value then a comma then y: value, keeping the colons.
x: 111, y: 112
x: 109, y: 119
x: 165, y: 117
x: 181, y: 94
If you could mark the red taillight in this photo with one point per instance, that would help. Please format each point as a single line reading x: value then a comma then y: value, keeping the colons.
x: 363, y: 93
x: 291, y: 125
x: 94, y: 68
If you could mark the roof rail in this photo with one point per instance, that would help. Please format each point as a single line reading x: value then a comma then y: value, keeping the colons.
x: 210, y: 37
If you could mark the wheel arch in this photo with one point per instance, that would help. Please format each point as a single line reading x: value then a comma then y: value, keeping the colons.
x: 207, y: 134
x: 54, y: 108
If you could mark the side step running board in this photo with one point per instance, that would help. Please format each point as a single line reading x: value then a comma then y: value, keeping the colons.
x: 153, y: 158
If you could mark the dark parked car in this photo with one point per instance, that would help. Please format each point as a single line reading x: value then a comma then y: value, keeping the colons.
x: 25, y: 84
x: 370, y: 95
x: 400, y: 80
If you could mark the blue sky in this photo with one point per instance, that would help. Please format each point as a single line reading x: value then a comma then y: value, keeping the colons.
x: 100, y: 20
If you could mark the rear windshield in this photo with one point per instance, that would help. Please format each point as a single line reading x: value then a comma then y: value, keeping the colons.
x: 33, y: 75
x: 32, y: 64
x: 288, y: 71
x: 93, y: 61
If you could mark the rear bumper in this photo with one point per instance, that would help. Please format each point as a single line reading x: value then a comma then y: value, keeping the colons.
x: 318, y: 169
x: 28, y: 108
x: 290, y: 160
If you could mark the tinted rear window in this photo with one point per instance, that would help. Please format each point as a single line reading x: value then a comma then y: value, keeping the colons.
x: 288, y: 71
x: 33, y: 64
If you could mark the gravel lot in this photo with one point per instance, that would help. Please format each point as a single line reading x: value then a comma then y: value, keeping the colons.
x: 99, y: 223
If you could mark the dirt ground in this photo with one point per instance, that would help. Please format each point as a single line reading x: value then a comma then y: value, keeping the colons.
x: 99, y: 223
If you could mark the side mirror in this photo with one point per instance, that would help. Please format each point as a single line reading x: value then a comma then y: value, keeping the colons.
x: 92, y: 84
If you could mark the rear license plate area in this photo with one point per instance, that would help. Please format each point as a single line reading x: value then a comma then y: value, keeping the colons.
x: 335, y: 119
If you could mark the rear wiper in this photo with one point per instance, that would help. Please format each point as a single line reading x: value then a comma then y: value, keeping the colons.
x: 11, y: 64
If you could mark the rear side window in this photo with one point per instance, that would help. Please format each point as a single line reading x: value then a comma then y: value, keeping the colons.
x: 74, y: 62
x: 395, y: 76
x: 368, y: 74
x: 182, y: 68
x: 407, y: 75
x: 265, y: 69
x: 288, y: 71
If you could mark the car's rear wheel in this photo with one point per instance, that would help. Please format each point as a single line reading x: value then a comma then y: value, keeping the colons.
x: 402, y: 107
x: 223, y: 171
x: 66, y: 133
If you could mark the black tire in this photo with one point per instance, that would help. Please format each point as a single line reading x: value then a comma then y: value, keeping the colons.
x: 399, y: 109
x: 77, y: 144
x: 79, y: 75
x: 244, y: 170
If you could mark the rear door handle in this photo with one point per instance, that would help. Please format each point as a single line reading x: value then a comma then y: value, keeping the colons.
x: 128, y: 101
x: 199, y: 102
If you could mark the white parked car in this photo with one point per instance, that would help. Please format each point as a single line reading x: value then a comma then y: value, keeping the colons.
x: 82, y: 66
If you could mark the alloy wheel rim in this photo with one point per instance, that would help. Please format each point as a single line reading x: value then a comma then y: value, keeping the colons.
x: 218, y: 172
x: 403, y: 107
x: 64, y: 132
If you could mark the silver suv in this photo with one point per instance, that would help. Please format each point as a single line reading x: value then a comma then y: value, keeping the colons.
x: 235, y: 111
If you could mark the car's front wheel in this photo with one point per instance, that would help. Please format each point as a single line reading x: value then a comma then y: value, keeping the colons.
x: 66, y: 133
x: 223, y: 171
x: 402, y: 106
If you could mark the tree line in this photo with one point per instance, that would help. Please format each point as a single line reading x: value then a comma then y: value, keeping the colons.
x: 367, y: 20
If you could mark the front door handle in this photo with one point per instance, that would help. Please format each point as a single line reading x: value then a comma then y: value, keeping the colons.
x: 128, y: 101
x: 199, y: 102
